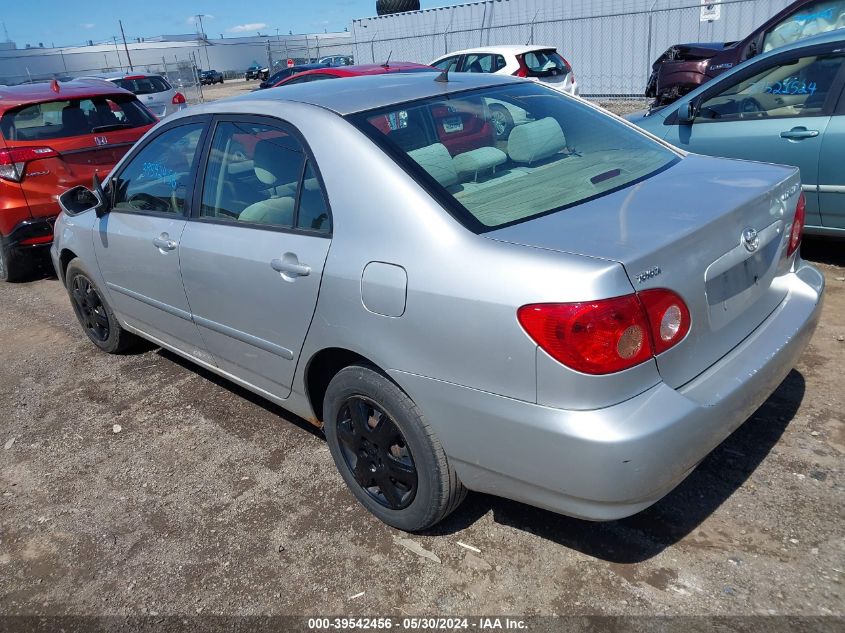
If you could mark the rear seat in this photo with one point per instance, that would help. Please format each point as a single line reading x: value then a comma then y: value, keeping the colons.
x: 465, y: 167
x: 535, y: 141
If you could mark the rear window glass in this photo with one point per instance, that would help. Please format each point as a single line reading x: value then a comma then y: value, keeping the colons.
x: 545, y: 63
x: 144, y: 85
x: 74, y: 117
x: 507, y: 154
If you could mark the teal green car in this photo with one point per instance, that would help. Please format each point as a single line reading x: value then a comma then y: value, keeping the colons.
x: 786, y: 106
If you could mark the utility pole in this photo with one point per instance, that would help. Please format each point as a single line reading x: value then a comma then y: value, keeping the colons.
x: 125, y: 47
x: 117, y: 50
x: 201, y: 33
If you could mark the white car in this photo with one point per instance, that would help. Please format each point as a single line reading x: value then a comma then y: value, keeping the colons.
x: 539, y: 63
x: 152, y: 90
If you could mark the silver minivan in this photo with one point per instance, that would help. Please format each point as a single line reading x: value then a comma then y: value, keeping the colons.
x: 154, y: 91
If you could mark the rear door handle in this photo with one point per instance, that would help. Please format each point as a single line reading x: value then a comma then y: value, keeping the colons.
x: 164, y: 242
x: 290, y: 267
x: 798, y: 133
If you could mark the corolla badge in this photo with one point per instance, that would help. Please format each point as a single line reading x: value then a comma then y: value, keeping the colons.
x: 750, y: 239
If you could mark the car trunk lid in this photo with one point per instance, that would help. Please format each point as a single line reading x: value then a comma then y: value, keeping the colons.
x: 686, y: 229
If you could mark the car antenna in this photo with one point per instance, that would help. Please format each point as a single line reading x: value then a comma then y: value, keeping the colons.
x: 386, y: 63
x: 443, y: 77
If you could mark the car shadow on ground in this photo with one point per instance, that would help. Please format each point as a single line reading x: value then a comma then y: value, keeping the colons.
x: 265, y: 404
x: 630, y: 540
x: 824, y: 250
x: 644, y: 535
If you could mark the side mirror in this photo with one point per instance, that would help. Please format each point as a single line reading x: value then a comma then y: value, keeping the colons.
x: 687, y: 112
x: 78, y: 200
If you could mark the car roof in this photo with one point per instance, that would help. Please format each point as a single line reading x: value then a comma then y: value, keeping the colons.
x: 512, y: 49
x: 365, y: 69
x: 301, y: 66
x: 111, y: 76
x: 12, y: 96
x: 358, y: 94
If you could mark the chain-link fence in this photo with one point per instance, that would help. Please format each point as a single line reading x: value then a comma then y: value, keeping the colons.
x: 610, y: 43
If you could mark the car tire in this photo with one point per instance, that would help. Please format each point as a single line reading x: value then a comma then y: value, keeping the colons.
x: 374, y: 431
x: 386, y: 7
x: 14, y: 266
x: 502, y: 121
x: 94, y: 313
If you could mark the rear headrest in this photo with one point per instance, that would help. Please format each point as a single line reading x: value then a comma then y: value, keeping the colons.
x: 535, y: 141
x: 74, y: 120
x: 437, y: 161
x: 274, y: 164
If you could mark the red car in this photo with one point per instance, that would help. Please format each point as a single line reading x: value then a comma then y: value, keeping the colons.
x: 54, y: 136
x: 335, y: 72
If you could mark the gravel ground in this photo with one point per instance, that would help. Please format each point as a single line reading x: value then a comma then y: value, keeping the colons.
x: 210, y: 500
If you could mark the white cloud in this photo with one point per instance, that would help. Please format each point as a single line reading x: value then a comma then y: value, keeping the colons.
x: 245, y: 28
x: 88, y: 25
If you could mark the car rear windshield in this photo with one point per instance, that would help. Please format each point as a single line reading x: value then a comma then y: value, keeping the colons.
x: 144, y: 85
x: 505, y: 154
x: 545, y: 63
x: 73, y: 117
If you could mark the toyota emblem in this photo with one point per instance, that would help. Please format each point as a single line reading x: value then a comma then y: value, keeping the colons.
x: 750, y: 239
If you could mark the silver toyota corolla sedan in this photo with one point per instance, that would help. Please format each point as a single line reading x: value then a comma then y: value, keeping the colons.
x: 572, y: 314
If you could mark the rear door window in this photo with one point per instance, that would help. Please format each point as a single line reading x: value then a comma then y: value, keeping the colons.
x: 447, y: 62
x: 483, y: 63
x: 75, y: 117
x: 811, y: 19
x: 261, y: 174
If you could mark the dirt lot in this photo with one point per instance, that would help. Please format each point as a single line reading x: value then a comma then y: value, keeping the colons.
x: 210, y: 500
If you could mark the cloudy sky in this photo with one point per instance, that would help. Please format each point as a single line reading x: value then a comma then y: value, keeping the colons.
x: 67, y: 22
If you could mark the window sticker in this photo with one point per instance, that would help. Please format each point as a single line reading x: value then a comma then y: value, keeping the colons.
x: 158, y: 171
x: 791, y: 86
x: 397, y: 120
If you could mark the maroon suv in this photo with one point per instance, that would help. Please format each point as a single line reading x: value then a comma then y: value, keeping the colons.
x: 684, y: 67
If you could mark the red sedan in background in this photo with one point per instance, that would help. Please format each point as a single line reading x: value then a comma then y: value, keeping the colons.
x: 336, y: 72
x: 55, y: 136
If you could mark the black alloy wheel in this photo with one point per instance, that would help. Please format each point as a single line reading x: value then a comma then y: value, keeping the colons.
x: 89, y: 306
x: 376, y: 453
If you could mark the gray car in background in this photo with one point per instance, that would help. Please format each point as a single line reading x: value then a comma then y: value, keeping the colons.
x: 154, y: 91
x: 572, y: 315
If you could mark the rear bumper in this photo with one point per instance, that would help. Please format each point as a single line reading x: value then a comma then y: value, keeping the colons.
x: 613, y: 462
x: 31, y: 233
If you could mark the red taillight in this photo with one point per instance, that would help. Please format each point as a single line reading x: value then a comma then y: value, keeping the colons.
x: 797, y: 225
x: 522, y: 71
x: 178, y: 98
x: 13, y: 160
x: 608, y: 335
